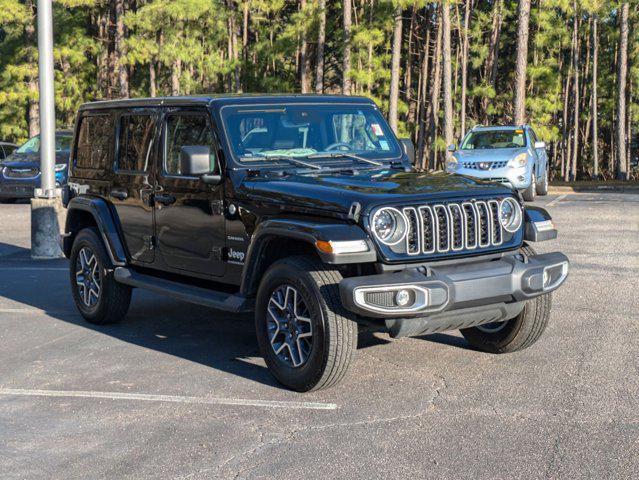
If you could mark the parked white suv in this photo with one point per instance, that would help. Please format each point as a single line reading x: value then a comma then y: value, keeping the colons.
x: 511, y: 155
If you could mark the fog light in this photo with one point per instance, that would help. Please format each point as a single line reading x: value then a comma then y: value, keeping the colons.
x: 554, y: 275
x: 402, y: 298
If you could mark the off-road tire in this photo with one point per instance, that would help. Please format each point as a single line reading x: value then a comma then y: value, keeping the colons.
x: 529, y: 193
x: 335, y: 334
x: 114, y: 298
x: 518, y: 333
x: 542, y: 187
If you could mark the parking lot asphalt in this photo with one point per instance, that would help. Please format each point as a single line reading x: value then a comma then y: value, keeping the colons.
x: 179, y: 391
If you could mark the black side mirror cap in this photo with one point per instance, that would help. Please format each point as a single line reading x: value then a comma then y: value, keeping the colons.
x: 195, y: 160
x: 409, y: 149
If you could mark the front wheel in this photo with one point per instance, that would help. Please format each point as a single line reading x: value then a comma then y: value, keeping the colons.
x: 517, y: 333
x: 304, y: 334
x: 542, y: 186
x: 529, y: 193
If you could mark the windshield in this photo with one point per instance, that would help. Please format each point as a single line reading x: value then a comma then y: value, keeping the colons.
x: 487, y: 139
x: 62, y: 142
x: 311, y: 132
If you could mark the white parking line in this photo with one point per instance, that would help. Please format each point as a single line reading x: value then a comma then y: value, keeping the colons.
x: 38, y: 269
x: 243, y: 402
x: 557, y: 200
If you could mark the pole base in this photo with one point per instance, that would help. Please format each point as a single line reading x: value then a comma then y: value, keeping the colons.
x: 46, y: 221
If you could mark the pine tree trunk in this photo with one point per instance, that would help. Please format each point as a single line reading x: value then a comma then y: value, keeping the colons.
x: 396, y: 53
x: 346, y: 61
x: 519, y: 113
x: 595, y: 54
x: 33, y: 106
x: 321, y: 40
x: 433, y: 108
x: 576, y: 99
x: 123, y: 76
x: 464, y: 65
x: 447, y: 81
x: 304, y: 87
x: 622, y: 73
x: 423, y: 94
x: 152, y: 79
x: 103, y: 56
x: 492, y: 60
x: 176, y: 71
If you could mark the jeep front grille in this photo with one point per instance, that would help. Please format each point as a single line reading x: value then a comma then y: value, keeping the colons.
x: 453, y: 227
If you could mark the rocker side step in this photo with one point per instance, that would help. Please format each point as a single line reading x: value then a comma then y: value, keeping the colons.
x: 188, y: 293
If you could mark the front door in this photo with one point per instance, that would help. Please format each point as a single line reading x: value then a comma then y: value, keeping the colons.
x: 189, y: 219
x: 133, y: 179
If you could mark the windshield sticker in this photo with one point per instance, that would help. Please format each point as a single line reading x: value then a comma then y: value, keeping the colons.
x: 384, y: 145
x: 377, y: 130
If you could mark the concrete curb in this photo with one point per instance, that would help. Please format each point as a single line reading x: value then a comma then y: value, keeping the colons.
x: 630, y: 188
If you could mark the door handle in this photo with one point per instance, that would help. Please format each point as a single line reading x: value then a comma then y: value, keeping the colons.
x: 119, y: 194
x: 164, y: 198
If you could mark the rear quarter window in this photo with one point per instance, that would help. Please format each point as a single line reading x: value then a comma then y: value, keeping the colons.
x: 94, y: 139
x: 135, y: 141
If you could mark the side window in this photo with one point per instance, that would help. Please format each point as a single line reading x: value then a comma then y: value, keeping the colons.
x: 533, y: 137
x: 187, y: 129
x: 136, y: 140
x: 94, y: 137
x: 2, y: 155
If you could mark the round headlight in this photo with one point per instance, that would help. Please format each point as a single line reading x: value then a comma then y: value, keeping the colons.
x: 510, y: 214
x: 389, y: 226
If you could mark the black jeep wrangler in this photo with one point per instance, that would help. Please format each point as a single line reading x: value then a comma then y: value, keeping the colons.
x: 307, y: 211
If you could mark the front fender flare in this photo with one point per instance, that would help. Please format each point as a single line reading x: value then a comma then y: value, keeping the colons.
x: 538, y: 225
x: 308, y: 232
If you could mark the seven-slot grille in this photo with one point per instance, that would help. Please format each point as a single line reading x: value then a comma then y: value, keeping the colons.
x: 453, y: 227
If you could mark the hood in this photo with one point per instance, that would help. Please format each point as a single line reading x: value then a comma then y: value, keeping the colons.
x: 489, y: 154
x: 336, y: 192
x: 32, y: 160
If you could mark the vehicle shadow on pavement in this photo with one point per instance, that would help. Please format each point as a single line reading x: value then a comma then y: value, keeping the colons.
x: 215, y: 339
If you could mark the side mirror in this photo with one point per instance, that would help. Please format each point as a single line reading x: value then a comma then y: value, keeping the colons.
x: 409, y: 149
x: 197, y: 161
x: 451, y: 148
x: 540, y: 145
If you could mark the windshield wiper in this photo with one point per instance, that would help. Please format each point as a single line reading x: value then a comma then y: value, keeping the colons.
x: 345, y: 155
x: 261, y: 158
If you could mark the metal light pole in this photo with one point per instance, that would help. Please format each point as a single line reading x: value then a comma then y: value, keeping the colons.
x: 46, y: 207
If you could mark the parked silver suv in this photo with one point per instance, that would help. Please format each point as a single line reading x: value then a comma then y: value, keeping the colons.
x: 511, y: 155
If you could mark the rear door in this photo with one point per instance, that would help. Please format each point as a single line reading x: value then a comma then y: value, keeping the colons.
x: 188, y: 213
x: 131, y: 191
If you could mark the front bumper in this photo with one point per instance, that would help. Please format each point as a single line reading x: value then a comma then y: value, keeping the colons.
x: 518, y: 177
x: 24, y: 188
x: 454, y: 296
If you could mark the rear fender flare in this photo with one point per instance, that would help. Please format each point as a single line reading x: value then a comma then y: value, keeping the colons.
x: 101, y: 213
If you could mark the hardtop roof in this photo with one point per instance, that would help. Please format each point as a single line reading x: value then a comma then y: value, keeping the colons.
x: 224, y: 99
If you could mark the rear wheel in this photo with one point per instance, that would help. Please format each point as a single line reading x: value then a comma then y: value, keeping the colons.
x: 302, y: 329
x: 98, y: 297
x: 529, y: 193
x: 517, y: 333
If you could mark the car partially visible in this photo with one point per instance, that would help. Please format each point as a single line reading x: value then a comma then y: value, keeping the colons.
x: 20, y: 171
x: 511, y: 155
x: 6, y: 149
